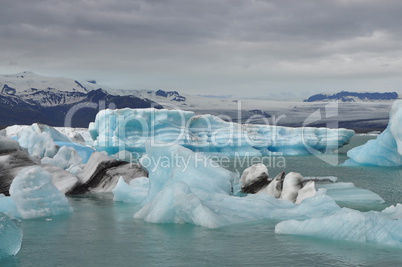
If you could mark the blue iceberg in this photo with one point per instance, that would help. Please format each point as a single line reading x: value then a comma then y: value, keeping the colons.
x: 386, y: 149
x: 188, y: 187
x: 130, y: 129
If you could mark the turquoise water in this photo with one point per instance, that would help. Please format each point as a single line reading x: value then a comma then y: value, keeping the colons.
x: 103, y: 233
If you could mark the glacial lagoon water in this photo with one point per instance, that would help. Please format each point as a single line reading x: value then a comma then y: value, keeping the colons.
x: 101, y: 232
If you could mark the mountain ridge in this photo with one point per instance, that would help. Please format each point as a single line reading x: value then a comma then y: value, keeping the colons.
x: 346, y: 96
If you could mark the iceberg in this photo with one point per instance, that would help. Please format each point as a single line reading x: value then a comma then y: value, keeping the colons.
x: 10, y: 236
x: 44, y: 141
x: 188, y: 187
x: 254, y: 178
x: 35, y: 195
x: 66, y: 158
x: 83, y: 151
x: 394, y: 211
x: 13, y: 159
x: 38, y: 145
x: 349, y: 225
x: 386, y: 149
x: 130, y: 129
x: 16, y: 131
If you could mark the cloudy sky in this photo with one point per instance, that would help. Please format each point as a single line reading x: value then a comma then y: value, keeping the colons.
x: 220, y: 47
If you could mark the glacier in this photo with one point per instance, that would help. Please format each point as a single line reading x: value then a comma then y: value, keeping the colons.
x: 386, y: 149
x: 35, y: 195
x: 10, y: 236
x: 130, y: 129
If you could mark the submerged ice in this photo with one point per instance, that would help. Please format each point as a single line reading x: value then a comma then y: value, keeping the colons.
x: 10, y: 236
x: 131, y: 129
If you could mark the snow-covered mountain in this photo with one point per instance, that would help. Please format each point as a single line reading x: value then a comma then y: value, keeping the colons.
x: 26, y: 98
x: 346, y: 96
x: 43, y: 91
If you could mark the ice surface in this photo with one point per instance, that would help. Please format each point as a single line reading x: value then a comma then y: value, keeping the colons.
x: 16, y: 130
x: 135, y: 192
x: 76, y: 135
x: 10, y: 236
x: 350, y: 225
x: 83, y: 151
x: 292, y: 183
x: 394, y: 212
x: 35, y: 195
x: 131, y: 129
x: 66, y: 158
x: 274, y: 188
x: 307, y: 191
x: 38, y: 145
x: 347, y: 193
x: 386, y: 149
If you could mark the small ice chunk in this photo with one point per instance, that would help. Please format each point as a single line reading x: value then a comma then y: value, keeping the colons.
x: 38, y: 145
x: 35, y: 195
x: 83, y: 151
x: 135, y: 192
x: 65, y: 158
x: 394, y: 212
x: 254, y: 178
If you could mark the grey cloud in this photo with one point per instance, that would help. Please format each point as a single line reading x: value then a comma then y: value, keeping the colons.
x: 204, y: 44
